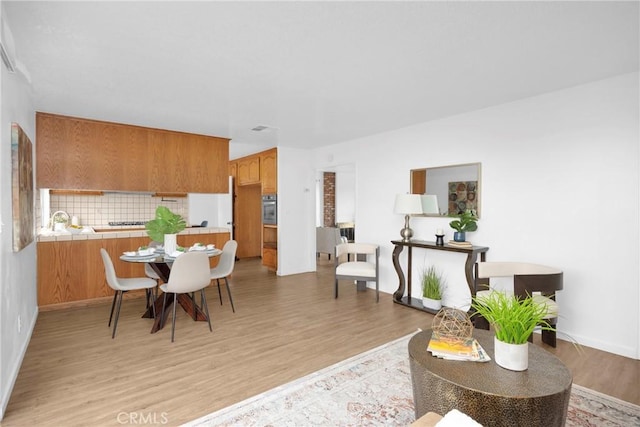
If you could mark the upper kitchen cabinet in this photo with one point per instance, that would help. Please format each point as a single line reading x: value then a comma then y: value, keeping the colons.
x: 269, y: 171
x: 82, y: 154
x: 249, y: 170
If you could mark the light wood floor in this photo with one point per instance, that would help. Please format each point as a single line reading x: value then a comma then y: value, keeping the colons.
x: 283, y: 328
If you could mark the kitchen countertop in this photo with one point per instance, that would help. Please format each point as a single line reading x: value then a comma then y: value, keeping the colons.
x: 117, y: 233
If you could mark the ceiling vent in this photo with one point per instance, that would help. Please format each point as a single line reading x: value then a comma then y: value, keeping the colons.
x: 260, y: 128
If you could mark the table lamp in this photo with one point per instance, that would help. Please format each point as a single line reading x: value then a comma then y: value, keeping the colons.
x: 407, y: 204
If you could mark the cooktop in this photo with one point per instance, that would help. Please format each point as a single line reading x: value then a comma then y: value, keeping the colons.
x: 112, y: 223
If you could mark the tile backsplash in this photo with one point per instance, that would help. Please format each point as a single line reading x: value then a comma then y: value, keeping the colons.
x: 98, y: 211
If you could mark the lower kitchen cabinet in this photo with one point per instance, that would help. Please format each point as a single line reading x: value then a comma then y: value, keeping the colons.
x: 72, y: 270
x: 270, y: 258
x: 270, y: 246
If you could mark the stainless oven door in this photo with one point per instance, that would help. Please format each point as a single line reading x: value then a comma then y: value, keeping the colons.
x: 269, y: 210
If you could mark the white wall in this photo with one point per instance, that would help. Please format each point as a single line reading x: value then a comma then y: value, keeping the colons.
x: 560, y: 186
x: 18, y: 293
x: 345, y: 196
x: 296, y: 212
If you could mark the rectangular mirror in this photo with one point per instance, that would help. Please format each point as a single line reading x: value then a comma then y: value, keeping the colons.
x: 456, y: 188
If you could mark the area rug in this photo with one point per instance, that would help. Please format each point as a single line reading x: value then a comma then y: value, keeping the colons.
x: 374, y: 389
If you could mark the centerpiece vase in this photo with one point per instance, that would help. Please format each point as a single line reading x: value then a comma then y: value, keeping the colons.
x: 170, y: 244
x: 514, y: 357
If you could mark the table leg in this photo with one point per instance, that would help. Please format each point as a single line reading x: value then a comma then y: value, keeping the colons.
x: 399, y: 293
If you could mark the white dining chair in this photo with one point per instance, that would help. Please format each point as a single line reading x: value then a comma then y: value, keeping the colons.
x: 224, y: 268
x: 122, y: 285
x: 189, y: 274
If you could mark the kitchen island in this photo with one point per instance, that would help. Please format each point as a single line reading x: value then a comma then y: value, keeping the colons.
x: 71, y: 272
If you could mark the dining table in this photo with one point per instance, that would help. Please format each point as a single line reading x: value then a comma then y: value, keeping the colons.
x: 161, y: 264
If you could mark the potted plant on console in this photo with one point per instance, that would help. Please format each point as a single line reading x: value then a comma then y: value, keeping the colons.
x: 164, y: 228
x: 432, y: 287
x: 513, y: 320
x: 467, y: 221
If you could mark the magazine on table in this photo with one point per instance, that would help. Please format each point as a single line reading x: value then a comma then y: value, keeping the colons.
x: 450, y: 348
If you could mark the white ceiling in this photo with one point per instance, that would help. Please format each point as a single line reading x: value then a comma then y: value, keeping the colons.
x: 316, y: 73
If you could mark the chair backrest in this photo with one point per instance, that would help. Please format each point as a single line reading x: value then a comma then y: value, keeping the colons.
x: 227, y: 258
x: 189, y: 273
x: 327, y: 238
x: 527, y: 277
x: 109, y: 270
x: 356, y: 248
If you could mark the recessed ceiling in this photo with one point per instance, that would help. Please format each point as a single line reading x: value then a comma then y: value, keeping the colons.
x: 317, y: 72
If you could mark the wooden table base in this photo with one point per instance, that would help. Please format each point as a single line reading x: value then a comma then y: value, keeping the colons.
x: 185, y: 302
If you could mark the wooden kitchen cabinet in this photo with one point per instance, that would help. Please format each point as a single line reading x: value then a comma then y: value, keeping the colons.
x: 72, y: 271
x: 269, y: 171
x: 83, y: 154
x: 249, y: 170
x: 270, y: 247
x: 259, y: 168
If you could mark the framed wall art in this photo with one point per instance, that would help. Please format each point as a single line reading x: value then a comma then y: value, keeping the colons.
x: 462, y: 196
x: 21, y: 188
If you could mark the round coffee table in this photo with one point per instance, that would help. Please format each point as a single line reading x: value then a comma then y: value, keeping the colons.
x: 491, y: 395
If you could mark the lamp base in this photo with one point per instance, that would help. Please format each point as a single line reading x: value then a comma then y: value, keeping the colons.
x: 406, y: 232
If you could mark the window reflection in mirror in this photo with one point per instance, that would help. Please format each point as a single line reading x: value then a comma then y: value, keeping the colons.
x: 456, y: 187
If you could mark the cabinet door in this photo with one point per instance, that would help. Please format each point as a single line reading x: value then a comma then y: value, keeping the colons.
x: 270, y: 258
x: 249, y: 170
x: 81, y: 154
x: 269, y: 171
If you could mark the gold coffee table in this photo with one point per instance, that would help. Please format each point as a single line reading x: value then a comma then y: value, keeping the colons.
x: 491, y: 395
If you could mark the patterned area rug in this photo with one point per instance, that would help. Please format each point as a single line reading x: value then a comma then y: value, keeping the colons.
x: 374, y: 389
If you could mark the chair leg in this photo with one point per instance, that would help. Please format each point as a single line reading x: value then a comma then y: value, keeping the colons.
x: 203, y: 302
x: 113, y: 304
x: 164, y: 304
x: 336, y: 290
x: 173, y: 318
x: 115, y: 321
x: 549, y: 338
x: 377, y: 292
x: 229, y: 292
x: 219, y: 293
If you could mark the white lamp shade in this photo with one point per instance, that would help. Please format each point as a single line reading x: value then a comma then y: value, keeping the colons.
x: 408, y: 204
x: 430, y: 204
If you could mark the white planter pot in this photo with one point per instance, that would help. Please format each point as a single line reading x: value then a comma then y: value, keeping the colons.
x: 433, y: 304
x: 514, y: 357
x: 170, y: 244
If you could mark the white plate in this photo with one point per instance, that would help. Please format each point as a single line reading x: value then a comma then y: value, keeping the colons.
x: 130, y: 253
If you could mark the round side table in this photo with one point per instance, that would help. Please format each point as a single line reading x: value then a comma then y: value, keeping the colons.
x: 491, y: 395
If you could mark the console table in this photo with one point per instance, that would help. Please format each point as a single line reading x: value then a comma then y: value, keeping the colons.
x: 399, y: 295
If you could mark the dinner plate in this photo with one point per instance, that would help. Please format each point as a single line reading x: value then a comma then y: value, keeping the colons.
x: 138, y: 257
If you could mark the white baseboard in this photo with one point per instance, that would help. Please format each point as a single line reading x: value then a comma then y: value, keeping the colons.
x: 16, y: 368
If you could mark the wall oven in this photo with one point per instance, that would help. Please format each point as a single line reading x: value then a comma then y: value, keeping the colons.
x: 269, y: 209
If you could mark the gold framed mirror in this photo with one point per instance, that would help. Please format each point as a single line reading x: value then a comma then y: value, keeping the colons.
x: 456, y: 188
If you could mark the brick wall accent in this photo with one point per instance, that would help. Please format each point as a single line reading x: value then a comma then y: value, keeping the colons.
x: 329, y: 211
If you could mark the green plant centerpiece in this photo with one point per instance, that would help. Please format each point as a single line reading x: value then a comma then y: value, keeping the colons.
x: 433, y: 285
x: 165, y: 222
x: 513, y: 319
x: 467, y: 221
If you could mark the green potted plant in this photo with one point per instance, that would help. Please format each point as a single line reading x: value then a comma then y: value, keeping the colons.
x: 164, y: 227
x: 432, y: 288
x: 513, y: 320
x: 467, y: 221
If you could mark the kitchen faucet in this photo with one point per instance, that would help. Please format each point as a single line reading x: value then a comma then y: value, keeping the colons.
x: 58, y: 217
